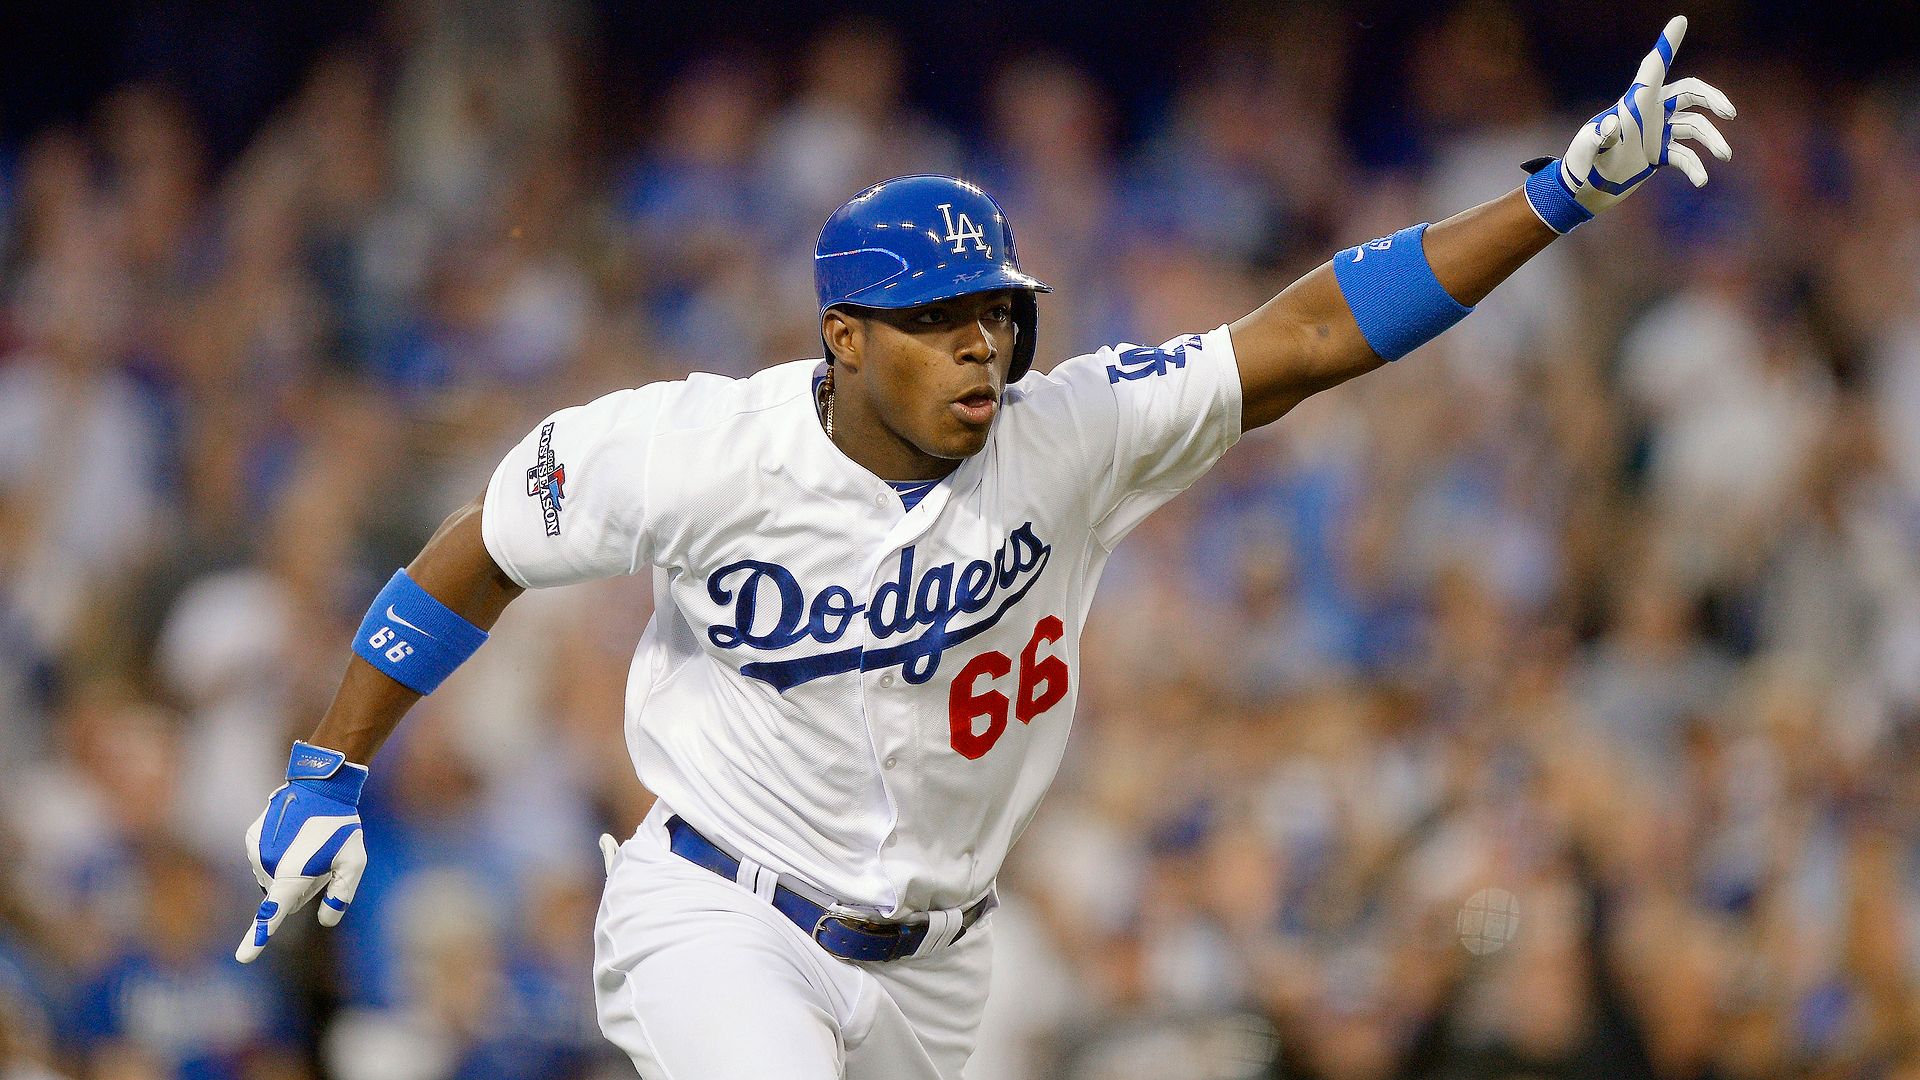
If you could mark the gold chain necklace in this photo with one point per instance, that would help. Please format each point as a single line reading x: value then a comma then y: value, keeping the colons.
x: 826, y: 396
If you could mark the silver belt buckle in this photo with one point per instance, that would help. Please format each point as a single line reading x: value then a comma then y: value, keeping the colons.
x: 855, y: 920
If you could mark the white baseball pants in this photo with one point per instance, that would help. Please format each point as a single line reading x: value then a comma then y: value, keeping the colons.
x: 699, y: 979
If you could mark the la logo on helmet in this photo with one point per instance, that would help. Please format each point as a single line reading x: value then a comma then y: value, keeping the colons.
x: 958, y: 233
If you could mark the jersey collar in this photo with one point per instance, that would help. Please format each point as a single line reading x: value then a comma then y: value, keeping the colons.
x: 847, y: 478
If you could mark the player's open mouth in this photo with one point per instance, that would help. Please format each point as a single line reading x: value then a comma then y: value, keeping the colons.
x: 976, y: 407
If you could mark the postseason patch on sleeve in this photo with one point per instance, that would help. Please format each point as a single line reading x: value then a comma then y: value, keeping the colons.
x: 551, y: 515
x: 547, y: 481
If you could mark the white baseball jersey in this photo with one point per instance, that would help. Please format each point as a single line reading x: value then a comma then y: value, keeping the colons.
x: 870, y: 698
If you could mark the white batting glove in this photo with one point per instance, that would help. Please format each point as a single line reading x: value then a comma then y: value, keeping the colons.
x: 308, y: 839
x: 1618, y: 149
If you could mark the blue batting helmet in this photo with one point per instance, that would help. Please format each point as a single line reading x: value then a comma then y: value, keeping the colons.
x: 917, y: 239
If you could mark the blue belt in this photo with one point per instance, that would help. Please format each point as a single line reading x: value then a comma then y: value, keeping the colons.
x: 845, y: 935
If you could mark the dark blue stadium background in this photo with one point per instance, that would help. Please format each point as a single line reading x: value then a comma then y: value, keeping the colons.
x: 235, y: 61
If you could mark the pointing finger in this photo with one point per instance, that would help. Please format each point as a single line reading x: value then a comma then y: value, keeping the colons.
x: 282, y: 898
x: 1653, y: 69
x: 1688, y: 125
x: 261, y: 931
x: 271, y: 913
x: 1691, y: 93
x: 1670, y: 37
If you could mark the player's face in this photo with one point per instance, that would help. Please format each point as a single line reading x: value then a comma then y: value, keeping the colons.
x: 934, y: 374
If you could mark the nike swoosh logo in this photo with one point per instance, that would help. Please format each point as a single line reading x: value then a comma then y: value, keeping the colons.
x: 405, y: 623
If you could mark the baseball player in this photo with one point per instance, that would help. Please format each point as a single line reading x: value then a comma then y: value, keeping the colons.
x: 871, y: 575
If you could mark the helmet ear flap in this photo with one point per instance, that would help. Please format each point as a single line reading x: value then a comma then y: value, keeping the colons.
x: 1026, y: 320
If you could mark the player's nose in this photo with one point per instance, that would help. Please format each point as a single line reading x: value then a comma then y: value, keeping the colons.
x: 976, y: 345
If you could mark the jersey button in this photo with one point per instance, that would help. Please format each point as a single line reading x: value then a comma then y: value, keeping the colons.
x: 887, y: 679
x: 892, y: 761
x: 879, y: 498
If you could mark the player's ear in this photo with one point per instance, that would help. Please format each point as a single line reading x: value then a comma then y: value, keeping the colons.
x: 842, y: 334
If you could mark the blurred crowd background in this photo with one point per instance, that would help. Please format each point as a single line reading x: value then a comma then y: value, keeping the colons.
x: 1608, y: 601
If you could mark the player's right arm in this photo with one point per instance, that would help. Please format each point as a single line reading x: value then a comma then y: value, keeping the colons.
x: 567, y: 504
x: 454, y: 568
x: 309, y: 837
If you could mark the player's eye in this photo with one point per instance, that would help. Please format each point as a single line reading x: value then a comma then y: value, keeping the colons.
x: 931, y: 316
x: 1001, y: 312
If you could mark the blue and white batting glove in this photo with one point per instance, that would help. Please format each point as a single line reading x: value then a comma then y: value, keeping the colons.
x: 1619, y: 148
x: 308, y: 839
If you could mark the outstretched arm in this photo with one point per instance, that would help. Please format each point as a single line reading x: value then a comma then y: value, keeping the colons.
x: 1372, y: 303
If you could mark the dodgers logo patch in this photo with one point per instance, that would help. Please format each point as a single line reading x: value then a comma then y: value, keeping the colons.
x: 1134, y: 364
x: 547, y: 481
x: 771, y: 612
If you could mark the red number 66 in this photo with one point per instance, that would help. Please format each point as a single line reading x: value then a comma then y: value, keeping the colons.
x: 1042, y: 683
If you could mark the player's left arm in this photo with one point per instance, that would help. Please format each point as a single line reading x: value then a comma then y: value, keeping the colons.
x: 1307, y: 339
x: 1374, y: 303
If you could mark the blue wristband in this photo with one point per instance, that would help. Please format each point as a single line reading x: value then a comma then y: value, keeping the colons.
x: 327, y: 772
x: 1395, y: 298
x: 417, y: 640
x: 1547, y: 193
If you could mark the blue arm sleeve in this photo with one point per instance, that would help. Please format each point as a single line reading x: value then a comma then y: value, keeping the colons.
x: 1398, y: 302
